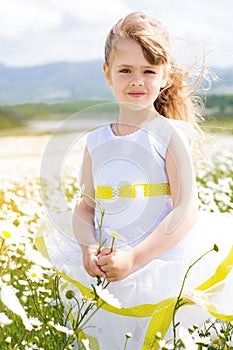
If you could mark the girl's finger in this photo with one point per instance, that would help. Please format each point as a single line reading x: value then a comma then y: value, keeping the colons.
x: 102, y: 260
x: 105, y: 251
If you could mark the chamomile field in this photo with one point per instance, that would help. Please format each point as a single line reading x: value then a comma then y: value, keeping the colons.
x: 31, y: 305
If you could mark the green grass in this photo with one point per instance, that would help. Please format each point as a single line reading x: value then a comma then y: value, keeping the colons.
x: 219, y: 125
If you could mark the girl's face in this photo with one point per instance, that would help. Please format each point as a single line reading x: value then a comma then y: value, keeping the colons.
x: 135, y: 81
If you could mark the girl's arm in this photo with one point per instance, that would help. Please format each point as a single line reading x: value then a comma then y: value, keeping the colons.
x: 83, y: 221
x: 185, y: 204
x: 175, y: 225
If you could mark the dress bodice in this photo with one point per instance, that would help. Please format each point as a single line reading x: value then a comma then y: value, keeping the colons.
x: 138, y: 160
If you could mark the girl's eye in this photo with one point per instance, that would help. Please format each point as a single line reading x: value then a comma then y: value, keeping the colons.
x: 148, y: 71
x: 125, y: 70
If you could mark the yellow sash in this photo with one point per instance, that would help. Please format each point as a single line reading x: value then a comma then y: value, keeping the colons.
x: 130, y: 191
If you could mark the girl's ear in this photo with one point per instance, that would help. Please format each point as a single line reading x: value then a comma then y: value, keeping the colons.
x: 107, y: 74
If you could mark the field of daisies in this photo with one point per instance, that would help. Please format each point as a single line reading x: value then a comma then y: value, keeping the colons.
x: 32, y: 312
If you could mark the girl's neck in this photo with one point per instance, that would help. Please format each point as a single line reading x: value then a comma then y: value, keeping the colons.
x: 136, y: 117
x: 129, y: 120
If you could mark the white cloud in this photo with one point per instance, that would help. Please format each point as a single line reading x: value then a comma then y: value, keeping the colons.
x: 18, y: 18
x: 40, y: 31
x: 93, y: 12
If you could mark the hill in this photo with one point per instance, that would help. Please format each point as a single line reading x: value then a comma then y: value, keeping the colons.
x: 62, y: 82
x: 55, y: 82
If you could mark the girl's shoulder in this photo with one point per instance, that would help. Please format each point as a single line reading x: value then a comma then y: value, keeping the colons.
x: 98, y: 135
x: 161, y: 129
x: 184, y: 128
x: 164, y: 127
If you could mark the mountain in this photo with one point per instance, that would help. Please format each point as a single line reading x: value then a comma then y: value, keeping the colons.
x: 60, y: 82
x: 55, y: 82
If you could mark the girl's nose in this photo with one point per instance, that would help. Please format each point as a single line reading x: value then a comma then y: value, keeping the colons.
x: 137, y: 80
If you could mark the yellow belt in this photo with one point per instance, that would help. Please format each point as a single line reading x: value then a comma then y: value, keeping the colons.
x: 130, y: 191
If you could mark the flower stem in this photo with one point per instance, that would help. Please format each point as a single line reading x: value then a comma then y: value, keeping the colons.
x: 2, y: 245
x: 113, y: 240
x: 100, y: 224
x: 179, y: 303
x: 102, y: 213
x: 93, y: 313
x: 126, y: 342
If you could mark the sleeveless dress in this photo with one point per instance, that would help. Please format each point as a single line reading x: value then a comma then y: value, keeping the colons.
x: 131, y: 185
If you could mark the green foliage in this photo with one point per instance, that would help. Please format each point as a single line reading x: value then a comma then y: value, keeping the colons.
x: 43, y: 111
x: 14, y: 116
x: 219, y: 106
x: 8, y: 119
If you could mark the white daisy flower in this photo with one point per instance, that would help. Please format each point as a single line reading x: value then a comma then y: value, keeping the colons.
x: 36, y: 257
x: 44, y: 290
x: 63, y: 329
x: 4, y: 320
x: 113, y: 234
x: 107, y: 297
x: 164, y: 345
x: 35, y: 322
x: 22, y: 282
x: 187, y: 339
x: 200, y: 340
x: 128, y: 335
x: 9, y: 233
x: 86, y: 344
x: 35, y: 273
x: 6, y: 278
x: 10, y: 300
x: 8, y: 340
x: 31, y: 347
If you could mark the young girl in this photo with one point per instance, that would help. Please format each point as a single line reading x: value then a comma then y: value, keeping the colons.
x: 139, y: 170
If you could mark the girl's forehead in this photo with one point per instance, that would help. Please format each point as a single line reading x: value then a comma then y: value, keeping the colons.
x: 128, y: 51
x: 126, y: 45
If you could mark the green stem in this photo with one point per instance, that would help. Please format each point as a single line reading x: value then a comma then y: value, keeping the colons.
x: 126, y: 341
x: 21, y: 339
x: 93, y: 313
x: 179, y: 298
x: 2, y: 245
x: 100, y: 224
x: 102, y: 213
x: 82, y: 317
x: 113, y: 240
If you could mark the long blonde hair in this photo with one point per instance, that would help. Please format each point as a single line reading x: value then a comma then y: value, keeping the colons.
x: 176, y: 100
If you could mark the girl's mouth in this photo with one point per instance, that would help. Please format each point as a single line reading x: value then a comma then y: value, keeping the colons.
x: 136, y: 94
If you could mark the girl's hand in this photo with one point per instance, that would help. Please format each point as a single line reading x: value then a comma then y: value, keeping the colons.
x: 90, y: 262
x: 117, y: 264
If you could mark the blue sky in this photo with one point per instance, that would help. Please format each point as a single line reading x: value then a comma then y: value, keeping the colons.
x: 34, y: 32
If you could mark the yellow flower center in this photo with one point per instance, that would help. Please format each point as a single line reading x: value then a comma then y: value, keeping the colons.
x: 6, y: 234
x: 34, y: 274
x: 115, y: 234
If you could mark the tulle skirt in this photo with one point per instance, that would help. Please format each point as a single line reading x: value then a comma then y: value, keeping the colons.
x: 158, y: 281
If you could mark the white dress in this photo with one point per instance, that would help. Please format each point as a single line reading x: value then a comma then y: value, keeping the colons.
x: 138, y: 159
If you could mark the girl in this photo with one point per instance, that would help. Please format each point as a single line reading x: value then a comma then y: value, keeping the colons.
x: 139, y: 171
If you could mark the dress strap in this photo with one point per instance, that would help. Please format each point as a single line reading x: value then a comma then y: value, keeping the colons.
x: 133, y: 191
